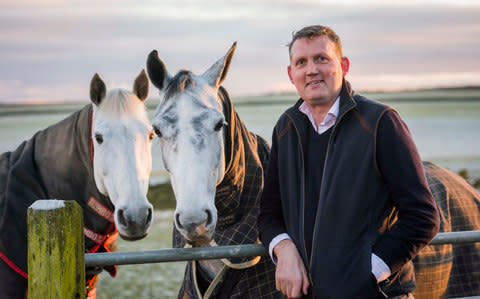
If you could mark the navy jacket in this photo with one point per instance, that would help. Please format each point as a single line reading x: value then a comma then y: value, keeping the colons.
x: 359, y: 204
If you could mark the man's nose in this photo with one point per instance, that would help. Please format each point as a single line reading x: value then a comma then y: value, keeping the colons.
x: 312, y: 68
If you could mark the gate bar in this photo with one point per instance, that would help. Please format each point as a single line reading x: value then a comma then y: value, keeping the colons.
x: 469, y: 236
x: 173, y: 255
x: 232, y: 251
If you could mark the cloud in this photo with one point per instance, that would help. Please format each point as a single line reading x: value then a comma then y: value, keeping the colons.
x: 57, y: 45
x: 17, y: 92
x: 422, y: 80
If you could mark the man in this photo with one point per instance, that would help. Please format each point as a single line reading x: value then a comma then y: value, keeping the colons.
x: 346, y: 205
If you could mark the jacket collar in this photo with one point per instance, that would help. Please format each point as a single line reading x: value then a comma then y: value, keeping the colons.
x: 347, y: 103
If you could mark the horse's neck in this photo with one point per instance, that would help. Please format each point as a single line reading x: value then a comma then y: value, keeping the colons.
x: 63, y: 156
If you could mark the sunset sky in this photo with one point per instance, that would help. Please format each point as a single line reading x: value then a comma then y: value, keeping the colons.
x: 50, y: 49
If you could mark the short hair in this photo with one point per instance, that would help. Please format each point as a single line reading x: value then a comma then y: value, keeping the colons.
x: 313, y: 31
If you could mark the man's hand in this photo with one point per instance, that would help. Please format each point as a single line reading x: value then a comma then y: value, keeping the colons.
x: 290, y: 277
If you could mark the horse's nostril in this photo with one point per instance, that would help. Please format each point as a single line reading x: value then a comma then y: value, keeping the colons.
x: 177, y: 220
x: 121, y: 218
x: 209, y: 217
x: 149, y: 217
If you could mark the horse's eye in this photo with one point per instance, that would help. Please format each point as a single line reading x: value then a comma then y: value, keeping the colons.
x: 219, y: 125
x: 151, y: 135
x: 99, y: 138
x: 157, y: 131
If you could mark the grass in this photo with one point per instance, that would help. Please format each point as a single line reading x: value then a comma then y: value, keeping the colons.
x: 160, y: 280
x: 161, y: 196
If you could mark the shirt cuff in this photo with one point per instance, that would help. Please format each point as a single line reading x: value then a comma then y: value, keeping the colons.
x: 274, y: 243
x: 379, y: 268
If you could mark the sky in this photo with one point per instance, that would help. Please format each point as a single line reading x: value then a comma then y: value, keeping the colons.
x: 50, y: 49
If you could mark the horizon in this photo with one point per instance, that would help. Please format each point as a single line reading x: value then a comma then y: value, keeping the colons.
x: 50, y: 49
x: 238, y: 99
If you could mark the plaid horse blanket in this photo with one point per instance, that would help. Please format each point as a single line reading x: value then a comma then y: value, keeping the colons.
x: 238, y: 201
x: 450, y: 270
x: 56, y: 163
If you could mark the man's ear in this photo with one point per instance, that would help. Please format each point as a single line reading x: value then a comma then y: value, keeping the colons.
x: 345, y: 65
x: 289, y: 71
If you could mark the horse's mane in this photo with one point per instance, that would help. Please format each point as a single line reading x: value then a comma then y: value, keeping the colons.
x: 122, y: 103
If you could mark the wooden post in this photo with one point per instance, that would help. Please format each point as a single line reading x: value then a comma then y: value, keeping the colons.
x: 56, y: 250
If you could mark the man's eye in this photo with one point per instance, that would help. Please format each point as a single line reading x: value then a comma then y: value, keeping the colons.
x: 301, y: 61
x: 322, y: 59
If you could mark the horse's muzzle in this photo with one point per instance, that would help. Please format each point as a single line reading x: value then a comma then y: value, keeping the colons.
x: 197, y: 230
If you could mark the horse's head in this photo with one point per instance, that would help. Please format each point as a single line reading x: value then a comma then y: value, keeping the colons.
x: 122, y: 138
x: 189, y: 123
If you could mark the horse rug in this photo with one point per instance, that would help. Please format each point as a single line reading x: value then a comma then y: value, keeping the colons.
x: 56, y: 163
x: 450, y: 270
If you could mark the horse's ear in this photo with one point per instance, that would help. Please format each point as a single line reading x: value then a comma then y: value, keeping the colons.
x: 97, y: 89
x: 141, y: 86
x: 217, y: 73
x: 157, y: 71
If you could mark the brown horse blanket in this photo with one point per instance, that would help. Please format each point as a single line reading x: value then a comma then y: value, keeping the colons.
x: 237, y: 201
x: 450, y: 270
x: 56, y: 163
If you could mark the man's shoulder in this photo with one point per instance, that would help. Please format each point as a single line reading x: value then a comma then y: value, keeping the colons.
x: 370, y: 104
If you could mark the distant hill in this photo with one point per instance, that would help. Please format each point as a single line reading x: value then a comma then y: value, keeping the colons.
x: 465, y: 93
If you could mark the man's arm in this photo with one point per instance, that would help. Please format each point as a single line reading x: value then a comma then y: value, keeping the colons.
x: 290, y: 275
x: 270, y: 219
x: 418, y: 220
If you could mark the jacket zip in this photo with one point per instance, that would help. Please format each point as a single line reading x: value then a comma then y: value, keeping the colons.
x: 303, y: 191
x: 321, y: 185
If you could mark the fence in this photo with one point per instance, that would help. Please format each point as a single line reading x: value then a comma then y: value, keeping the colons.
x: 56, y: 259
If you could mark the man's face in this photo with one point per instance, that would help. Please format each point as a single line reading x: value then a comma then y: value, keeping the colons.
x: 316, y: 70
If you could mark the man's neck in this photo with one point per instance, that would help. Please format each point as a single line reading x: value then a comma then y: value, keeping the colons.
x: 320, y: 111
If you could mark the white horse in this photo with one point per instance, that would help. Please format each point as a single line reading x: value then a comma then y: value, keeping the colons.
x: 190, y: 124
x: 215, y: 164
x: 123, y: 158
x: 100, y: 156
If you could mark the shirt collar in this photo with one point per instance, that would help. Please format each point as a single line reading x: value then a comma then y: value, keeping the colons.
x: 329, y: 120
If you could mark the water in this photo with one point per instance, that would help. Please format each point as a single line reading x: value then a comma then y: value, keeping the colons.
x: 446, y: 133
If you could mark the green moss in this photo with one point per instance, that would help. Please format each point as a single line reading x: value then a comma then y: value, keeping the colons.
x: 58, y: 257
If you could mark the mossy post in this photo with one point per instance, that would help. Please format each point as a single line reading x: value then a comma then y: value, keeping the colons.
x: 56, y: 250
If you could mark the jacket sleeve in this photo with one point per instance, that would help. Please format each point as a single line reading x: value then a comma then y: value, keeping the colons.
x: 270, y: 219
x: 401, y: 167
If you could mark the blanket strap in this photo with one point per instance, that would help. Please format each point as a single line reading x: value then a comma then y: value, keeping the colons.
x: 220, y: 275
x: 216, y: 281
x: 238, y: 266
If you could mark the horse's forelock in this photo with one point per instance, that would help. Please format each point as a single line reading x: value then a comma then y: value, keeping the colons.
x: 122, y: 103
x: 180, y: 82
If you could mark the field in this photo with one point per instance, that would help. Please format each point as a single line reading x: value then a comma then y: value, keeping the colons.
x: 161, y: 280
x: 445, y: 124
